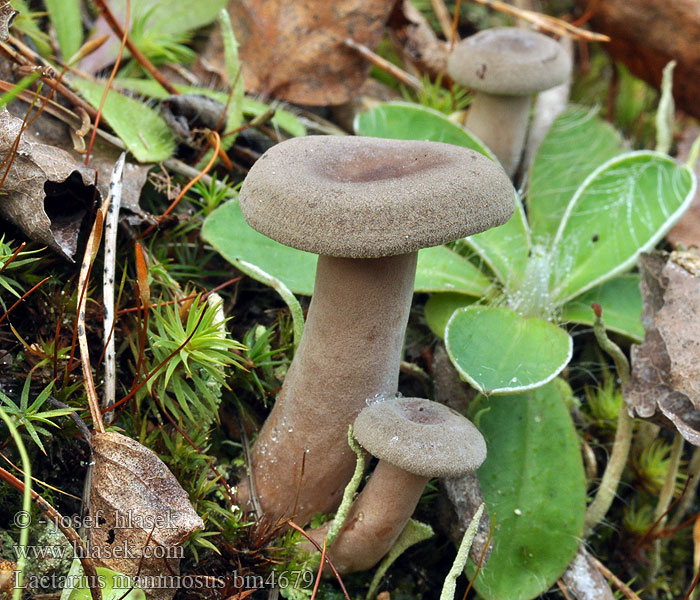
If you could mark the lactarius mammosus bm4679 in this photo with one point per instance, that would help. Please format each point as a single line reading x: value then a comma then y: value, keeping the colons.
x: 366, y: 206
x: 506, y: 66
x: 414, y: 440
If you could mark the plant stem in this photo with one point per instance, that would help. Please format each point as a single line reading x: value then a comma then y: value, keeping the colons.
x: 688, y: 496
x: 26, y: 503
x: 341, y: 514
x: 448, y: 588
x: 623, y: 436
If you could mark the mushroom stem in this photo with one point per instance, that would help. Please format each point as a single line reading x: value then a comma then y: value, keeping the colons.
x: 376, y: 519
x: 501, y: 123
x: 350, y: 351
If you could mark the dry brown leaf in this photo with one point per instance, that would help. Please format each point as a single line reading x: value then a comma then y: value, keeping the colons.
x: 139, y: 511
x: 293, y: 49
x: 7, y: 15
x: 47, y: 192
x: 666, y: 367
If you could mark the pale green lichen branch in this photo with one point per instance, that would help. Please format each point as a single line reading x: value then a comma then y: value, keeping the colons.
x: 26, y: 504
x: 623, y: 436
x: 665, y: 115
x: 349, y: 493
x: 413, y: 533
x: 285, y: 293
x: 448, y: 588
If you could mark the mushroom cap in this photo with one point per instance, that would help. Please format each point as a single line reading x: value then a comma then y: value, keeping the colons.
x: 420, y: 436
x: 509, y: 61
x: 363, y: 197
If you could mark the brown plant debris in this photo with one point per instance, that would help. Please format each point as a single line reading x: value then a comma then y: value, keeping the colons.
x: 46, y: 192
x: 665, y: 381
x: 294, y: 51
x: 140, y: 513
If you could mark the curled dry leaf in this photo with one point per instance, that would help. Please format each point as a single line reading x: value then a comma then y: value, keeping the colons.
x: 665, y: 382
x: 46, y: 192
x: 294, y: 50
x: 584, y: 581
x: 140, y: 514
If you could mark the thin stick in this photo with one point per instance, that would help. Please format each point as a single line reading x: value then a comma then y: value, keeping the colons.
x: 384, y: 65
x: 111, y: 223
x: 443, y: 17
x: 551, y: 24
x: 616, y: 581
x: 135, y: 52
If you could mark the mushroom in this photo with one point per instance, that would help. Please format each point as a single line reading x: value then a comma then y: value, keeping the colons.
x: 414, y: 440
x: 365, y: 205
x: 506, y: 65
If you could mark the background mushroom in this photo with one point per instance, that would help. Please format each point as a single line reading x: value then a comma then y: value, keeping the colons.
x: 414, y: 440
x: 366, y: 206
x: 506, y: 65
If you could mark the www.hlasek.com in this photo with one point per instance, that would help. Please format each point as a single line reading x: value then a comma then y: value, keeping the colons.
x: 105, y: 552
x: 285, y: 579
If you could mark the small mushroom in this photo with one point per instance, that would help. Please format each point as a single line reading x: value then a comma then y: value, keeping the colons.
x: 506, y: 65
x: 366, y: 206
x: 414, y: 440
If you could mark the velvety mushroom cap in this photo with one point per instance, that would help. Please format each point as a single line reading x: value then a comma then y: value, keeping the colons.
x: 509, y: 61
x: 362, y: 197
x: 420, y: 436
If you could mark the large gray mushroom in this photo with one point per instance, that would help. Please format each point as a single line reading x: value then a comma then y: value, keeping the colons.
x: 414, y: 440
x: 507, y: 66
x: 366, y: 206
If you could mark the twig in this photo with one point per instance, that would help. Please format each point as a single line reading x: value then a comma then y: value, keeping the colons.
x: 546, y: 22
x: 111, y: 224
x: 616, y: 581
x: 443, y: 17
x: 384, y: 65
x: 135, y: 52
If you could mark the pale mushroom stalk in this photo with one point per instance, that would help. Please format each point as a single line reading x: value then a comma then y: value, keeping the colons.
x: 506, y: 66
x: 414, y: 440
x: 366, y: 206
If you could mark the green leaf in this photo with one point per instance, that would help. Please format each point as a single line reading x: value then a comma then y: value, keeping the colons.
x: 621, y: 301
x: 440, y: 307
x: 66, y: 19
x: 142, y: 129
x: 534, y: 487
x: 226, y: 230
x: 575, y: 146
x: 439, y: 268
x: 506, y: 249
x: 500, y: 352
x: 406, y: 121
x: 623, y: 208
x: 114, y: 586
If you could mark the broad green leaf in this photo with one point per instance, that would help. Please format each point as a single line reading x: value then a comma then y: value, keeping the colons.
x: 439, y: 269
x: 440, y: 307
x: 506, y: 248
x: 534, y: 487
x: 250, y: 107
x: 443, y: 270
x: 233, y: 238
x: 500, y: 352
x: 67, y: 21
x: 623, y: 208
x: 406, y: 121
x: 575, y: 146
x: 143, y: 131
x: 621, y: 301
x: 114, y: 586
